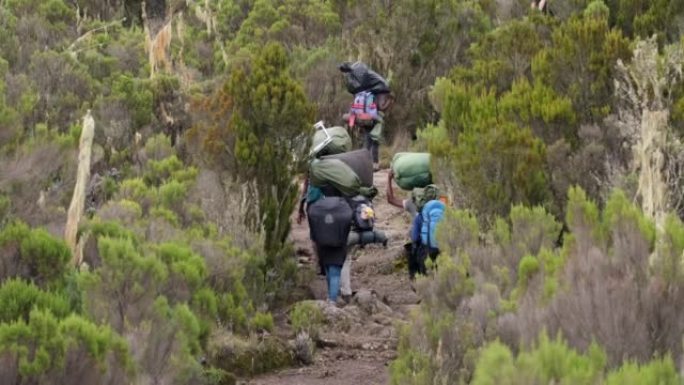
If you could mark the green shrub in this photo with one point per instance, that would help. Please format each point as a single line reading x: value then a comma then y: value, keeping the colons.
x: 660, y: 371
x: 549, y: 362
x: 187, y: 270
x: 45, y: 347
x: 18, y: 298
x: 172, y: 194
x: 158, y: 147
x: 262, y: 322
x: 233, y: 313
x: 111, y: 230
x: 137, y: 96
x: 165, y: 214
x: 127, y: 278
x: 34, y: 254
x: 306, y: 317
x: 529, y: 266
x: 158, y: 171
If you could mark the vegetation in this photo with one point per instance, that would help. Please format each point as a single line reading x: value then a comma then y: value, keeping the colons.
x: 558, y: 137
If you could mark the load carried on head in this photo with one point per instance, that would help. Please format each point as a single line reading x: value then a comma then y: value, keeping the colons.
x: 358, y: 77
x: 351, y: 173
x: 337, y: 138
x: 411, y: 170
x: 372, y: 91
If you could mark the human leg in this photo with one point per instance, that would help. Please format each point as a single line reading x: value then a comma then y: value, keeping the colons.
x: 371, y: 144
x: 345, y: 278
x: 332, y: 275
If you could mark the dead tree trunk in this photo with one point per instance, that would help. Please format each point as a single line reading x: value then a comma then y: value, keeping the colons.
x: 82, y: 177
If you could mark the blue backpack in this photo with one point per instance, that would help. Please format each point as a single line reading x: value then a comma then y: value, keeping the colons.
x: 364, y: 110
x: 432, y: 214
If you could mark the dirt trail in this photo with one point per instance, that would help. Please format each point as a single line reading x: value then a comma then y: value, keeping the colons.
x: 360, y: 350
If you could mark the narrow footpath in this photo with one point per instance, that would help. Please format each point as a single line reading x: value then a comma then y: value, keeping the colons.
x: 360, y: 339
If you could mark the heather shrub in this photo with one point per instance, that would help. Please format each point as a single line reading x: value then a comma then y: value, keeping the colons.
x: 49, y: 350
x: 306, y: 317
x: 18, y: 298
x: 33, y: 254
x: 553, y: 361
x: 613, y: 283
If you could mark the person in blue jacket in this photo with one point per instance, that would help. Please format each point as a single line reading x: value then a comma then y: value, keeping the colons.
x: 423, y: 242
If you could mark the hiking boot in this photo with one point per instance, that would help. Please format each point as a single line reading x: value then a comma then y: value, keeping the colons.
x: 346, y: 298
x: 332, y: 303
x: 384, y: 243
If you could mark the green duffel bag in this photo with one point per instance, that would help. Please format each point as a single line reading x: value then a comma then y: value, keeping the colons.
x: 335, y: 173
x: 411, y: 170
x: 360, y: 162
x: 341, y: 141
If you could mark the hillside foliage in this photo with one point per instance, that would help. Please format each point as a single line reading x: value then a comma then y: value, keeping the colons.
x: 558, y: 137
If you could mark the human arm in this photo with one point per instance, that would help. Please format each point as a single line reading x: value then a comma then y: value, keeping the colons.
x: 391, y: 199
x: 302, y: 201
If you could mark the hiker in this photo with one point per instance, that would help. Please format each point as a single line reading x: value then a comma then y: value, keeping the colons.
x: 335, y: 175
x: 330, y: 220
x: 364, y: 113
x: 311, y: 194
x: 363, y: 233
x: 423, y: 243
x: 372, y: 98
x: 426, y: 208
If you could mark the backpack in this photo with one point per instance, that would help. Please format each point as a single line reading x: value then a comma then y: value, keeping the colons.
x: 363, y: 218
x: 432, y: 213
x: 364, y: 110
x: 330, y: 221
x: 421, y: 196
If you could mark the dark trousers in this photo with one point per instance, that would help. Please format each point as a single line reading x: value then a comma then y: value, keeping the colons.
x: 370, y: 144
x: 417, y: 254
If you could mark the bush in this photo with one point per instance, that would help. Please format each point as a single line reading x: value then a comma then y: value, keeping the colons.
x: 125, y: 277
x: 47, y: 350
x: 172, y: 194
x: 306, y: 317
x: 616, y: 281
x: 159, y: 171
x: 137, y: 96
x: 18, y: 298
x: 34, y: 255
x: 187, y: 271
x: 262, y: 322
x: 549, y: 362
x: 553, y: 361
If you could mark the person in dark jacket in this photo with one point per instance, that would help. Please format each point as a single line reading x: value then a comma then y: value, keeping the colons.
x: 330, y: 243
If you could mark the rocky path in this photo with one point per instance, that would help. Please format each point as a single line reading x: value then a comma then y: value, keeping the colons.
x: 359, y: 340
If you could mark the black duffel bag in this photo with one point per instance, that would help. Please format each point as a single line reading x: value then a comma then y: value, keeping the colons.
x: 330, y: 220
